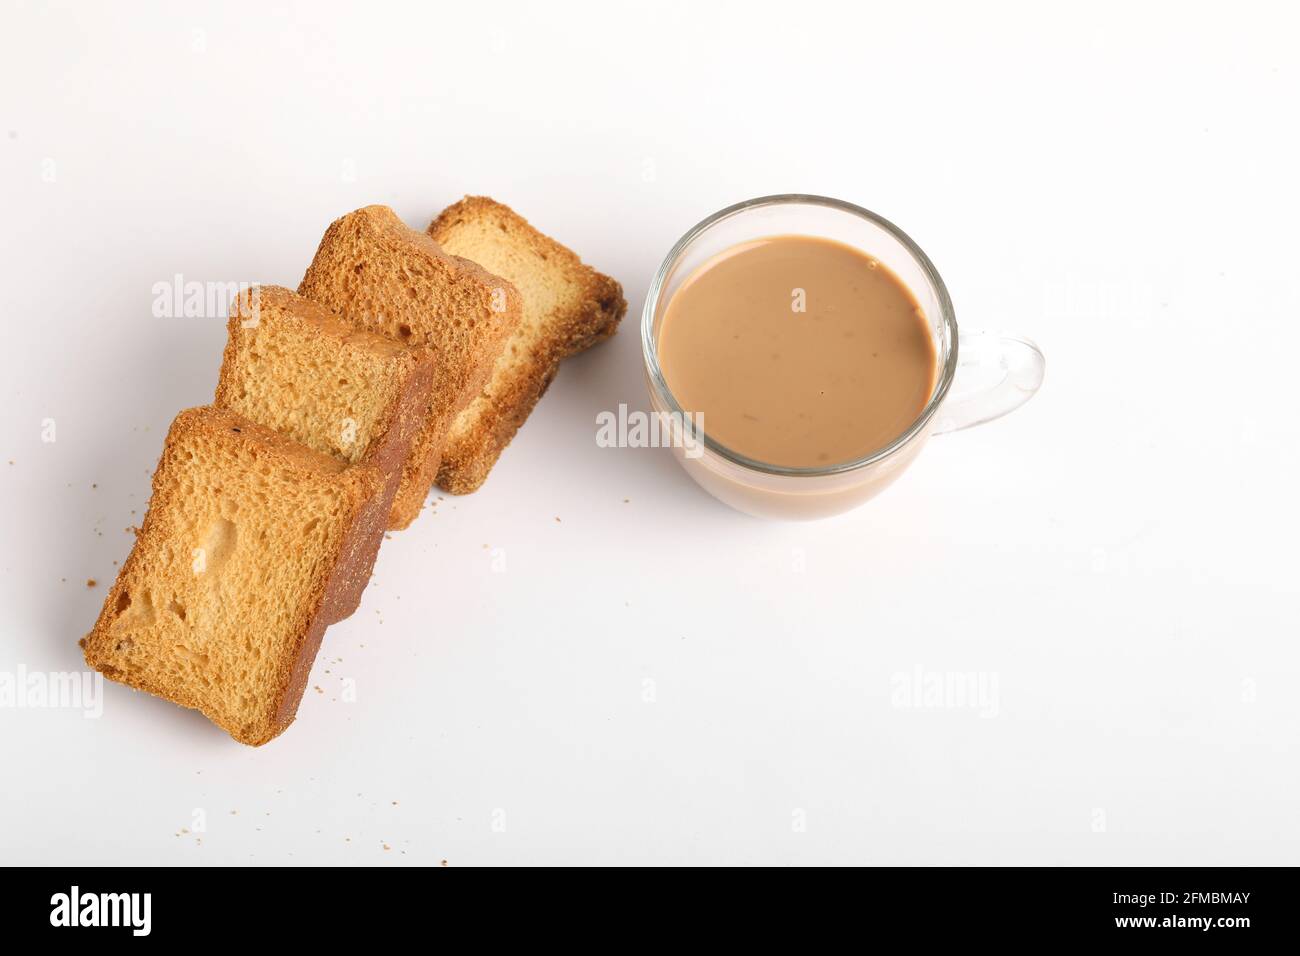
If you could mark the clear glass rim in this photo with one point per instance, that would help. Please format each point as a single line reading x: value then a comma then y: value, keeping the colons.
x: 650, y: 348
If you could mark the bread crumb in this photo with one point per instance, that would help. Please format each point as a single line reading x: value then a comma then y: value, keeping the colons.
x: 317, y: 689
x: 444, y: 862
x: 557, y: 518
x: 91, y: 582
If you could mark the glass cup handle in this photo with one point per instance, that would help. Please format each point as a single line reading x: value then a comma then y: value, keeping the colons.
x: 995, y: 374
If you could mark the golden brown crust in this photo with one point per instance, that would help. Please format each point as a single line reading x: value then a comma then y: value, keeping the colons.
x: 388, y: 457
x: 385, y: 445
x: 592, y: 307
x: 380, y: 275
x: 211, y: 427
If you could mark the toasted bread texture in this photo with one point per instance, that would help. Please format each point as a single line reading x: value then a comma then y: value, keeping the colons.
x: 568, y: 307
x: 240, y: 563
x: 381, y: 276
x: 295, y: 367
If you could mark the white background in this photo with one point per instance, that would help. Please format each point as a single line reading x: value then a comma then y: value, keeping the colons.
x: 1117, y: 182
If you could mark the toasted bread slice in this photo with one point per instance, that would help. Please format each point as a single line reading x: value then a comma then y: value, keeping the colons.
x: 297, y: 368
x: 241, y: 562
x: 568, y: 307
x: 380, y: 275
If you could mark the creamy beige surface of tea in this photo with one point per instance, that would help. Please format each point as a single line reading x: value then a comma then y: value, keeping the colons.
x: 798, y: 351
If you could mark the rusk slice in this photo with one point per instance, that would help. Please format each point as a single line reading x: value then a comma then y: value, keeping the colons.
x: 242, y: 560
x: 381, y: 276
x: 297, y: 368
x: 568, y: 307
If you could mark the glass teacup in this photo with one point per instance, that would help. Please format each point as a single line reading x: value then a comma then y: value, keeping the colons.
x: 981, y: 375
